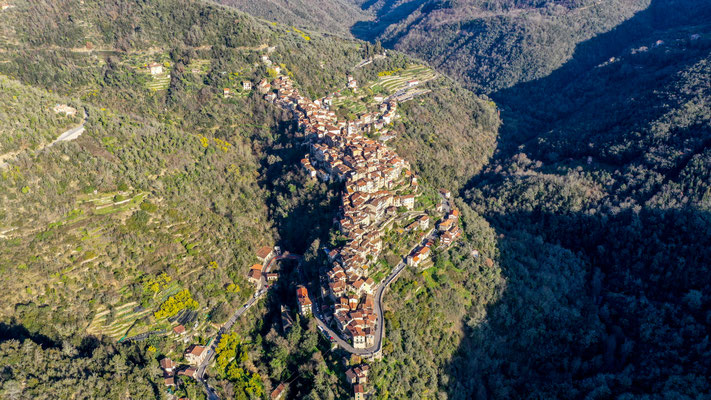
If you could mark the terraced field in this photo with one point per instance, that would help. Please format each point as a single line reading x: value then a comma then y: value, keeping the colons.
x: 351, y: 103
x: 199, y: 66
x: 159, y: 82
x: 124, y: 316
x: 386, y: 85
x: 392, y: 83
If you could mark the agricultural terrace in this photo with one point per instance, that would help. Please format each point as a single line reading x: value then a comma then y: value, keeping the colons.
x: 390, y: 82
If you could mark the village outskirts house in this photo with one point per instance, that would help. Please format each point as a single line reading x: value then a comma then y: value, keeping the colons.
x: 154, y: 68
x: 278, y: 393
x: 246, y: 85
x: 195, y: 354
x: 179, y: 330
x: 358, y: 392
x: 351, y: 376
x: 167, y: 365
x: 352, y: 83
x: 305, y: 305
x: 263, y: 86
x: 189, y: 372
x: 418, y: 256
x: 265, y: 253
x: 424, y: 222
x: 358, y: 374
x: 255, y: 273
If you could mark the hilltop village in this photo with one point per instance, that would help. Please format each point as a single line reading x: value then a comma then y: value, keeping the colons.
x: 378, y: 187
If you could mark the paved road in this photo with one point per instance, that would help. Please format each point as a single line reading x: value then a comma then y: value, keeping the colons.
x: 216, y: 341
x: 67, y: 136
x: 380, y: 292
x: 261, y: 291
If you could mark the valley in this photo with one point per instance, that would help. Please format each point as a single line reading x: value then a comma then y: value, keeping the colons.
x: 371, y: 200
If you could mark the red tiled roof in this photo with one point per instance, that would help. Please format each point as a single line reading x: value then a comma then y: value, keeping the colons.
x: 263, y: 252
x: 195, y: 350
x: 277, y: 392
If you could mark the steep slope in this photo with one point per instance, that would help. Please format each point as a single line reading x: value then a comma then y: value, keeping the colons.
x: 152, y: 216
x: 494, y: 44
x: 609, y: 168
x: 599, y: 194
x: 320, y: 15
x: 102, y: 218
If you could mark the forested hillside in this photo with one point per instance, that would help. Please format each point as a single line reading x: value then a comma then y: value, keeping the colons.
x: 582, y: 271
x: 599, y: 194
x: 489, y: 45
x: 321, y: 15
x: 154, y: 214
x: 600, y: 190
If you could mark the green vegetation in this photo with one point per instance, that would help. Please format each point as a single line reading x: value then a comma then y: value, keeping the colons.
x: 391, y: 81
x: 181, y: 301
x: 582, y: 272
x: 20, y: 130
x: 229, y: 358
x: 440, y: 129
x: 598, y: 195
x: 319, y: 15
x: 490, y: 45
x: 158, y: 208
x: 116, y: 371
x: 429, y: 313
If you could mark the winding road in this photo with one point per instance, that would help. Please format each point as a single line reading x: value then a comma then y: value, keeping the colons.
x: 67, y: 136
x: 380, y: 292
x: 216, y: 340
x: 261, y: 291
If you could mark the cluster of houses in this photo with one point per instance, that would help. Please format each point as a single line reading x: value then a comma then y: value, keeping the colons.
x: 448, y: 230
x: 377, y: 183
x: 358, y: 377
x: 257, y: 272
x: 6, y: 6
x: 194, y: 355
x: 374, y: 121
x: 378, y: 186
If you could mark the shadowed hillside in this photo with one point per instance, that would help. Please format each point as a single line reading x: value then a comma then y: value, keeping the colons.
x: 334, y: 16
x: 599, y: 191
x: 598, y: 196
x: 490, y: 45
